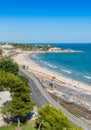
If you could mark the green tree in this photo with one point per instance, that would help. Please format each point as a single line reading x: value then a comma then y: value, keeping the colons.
x: 9, y: 66
x: 0, y: 51
x: 19, y: 106
x: 24, y: 79
x: 21, y: 103
x: 51, y: 118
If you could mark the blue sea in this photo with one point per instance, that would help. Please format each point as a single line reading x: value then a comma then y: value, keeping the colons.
x: 73, y: 65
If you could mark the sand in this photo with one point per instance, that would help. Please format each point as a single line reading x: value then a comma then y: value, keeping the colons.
x: 23, y: 59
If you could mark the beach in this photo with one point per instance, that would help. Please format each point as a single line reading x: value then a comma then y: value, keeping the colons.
x: 42, y: 72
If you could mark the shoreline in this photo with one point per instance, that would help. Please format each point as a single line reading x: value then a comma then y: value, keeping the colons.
x: 59, y: 73
x: 36, y: 69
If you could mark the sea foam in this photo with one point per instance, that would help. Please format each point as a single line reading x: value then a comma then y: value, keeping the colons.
x: 52, y: 66
x: 67, y: 71
x: 87, y: 77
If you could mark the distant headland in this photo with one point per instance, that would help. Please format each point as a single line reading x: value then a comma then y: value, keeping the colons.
x: 35, y: 48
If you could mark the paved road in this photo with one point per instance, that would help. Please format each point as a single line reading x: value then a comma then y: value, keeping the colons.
x: 36, y: 95
x: 41, y: 97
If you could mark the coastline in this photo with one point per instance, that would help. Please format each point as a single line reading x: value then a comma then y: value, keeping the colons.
x: 23, y: 59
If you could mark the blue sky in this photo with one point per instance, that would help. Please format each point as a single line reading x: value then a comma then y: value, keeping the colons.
x: 45, y: 21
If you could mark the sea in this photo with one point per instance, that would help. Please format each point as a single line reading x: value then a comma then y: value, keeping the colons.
x: 74, y: 65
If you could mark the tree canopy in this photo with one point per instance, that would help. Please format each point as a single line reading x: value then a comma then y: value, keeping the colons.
x: 23, y: 78
x: 32, y: 47
x: 51, y: 118
x: 0, y: 51
x: 9, y: 66
x: 21, y: 103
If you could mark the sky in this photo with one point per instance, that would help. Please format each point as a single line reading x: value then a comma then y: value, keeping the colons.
x: 45, y: 21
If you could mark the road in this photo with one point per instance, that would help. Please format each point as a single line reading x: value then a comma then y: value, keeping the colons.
x: 36, y: 95
x: 41, y: 97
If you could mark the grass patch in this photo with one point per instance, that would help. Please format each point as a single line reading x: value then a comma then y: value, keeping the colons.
x: 7, y: 128
x: 28, y: 128
x: 13, y: 128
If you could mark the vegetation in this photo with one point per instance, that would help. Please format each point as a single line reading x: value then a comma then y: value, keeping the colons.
x: 28, y: 128
x: 21, y: 103
x: 51, y: 118
x: 9, y: 66
x: 0, y: 51
x: 24, y: 79
x: 7, y: 128
x: 12, y: 128
x: 32, y: 47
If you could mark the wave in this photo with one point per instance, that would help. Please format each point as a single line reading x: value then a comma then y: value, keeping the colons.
x: 45, y: 62
x: 87, y: 77
x: 52, y: 66
x: 35, y: 57
x: 41, y: 61
x: 67, y: 71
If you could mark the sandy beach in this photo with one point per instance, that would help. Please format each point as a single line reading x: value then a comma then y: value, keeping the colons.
x: 23, y: 59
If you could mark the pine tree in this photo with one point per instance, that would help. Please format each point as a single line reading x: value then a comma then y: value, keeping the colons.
x: 21, y: 103
x: 9, y: 66
x: 51, y: 118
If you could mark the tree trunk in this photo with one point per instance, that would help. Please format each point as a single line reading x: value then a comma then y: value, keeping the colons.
x: 40, y: 124
x: 18, y: 122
